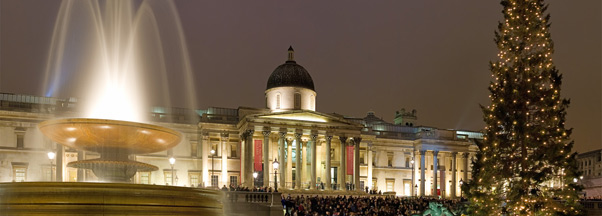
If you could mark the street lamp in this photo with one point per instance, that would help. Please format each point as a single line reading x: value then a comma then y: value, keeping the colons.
x: 275, y: 164
x: 461, y: 182
x: 51, y: 156
x: 172, y: 161
x: 212, y: 156
x: 416, y: 190
x: 254, y: 178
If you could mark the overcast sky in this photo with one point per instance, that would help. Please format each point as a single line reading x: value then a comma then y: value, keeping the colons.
x: 363, y: 56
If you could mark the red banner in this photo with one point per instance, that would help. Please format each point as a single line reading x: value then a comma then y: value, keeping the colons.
x: 349, y: 160
x: 258, y: 155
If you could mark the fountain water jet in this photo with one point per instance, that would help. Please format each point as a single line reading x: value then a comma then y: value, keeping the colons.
x: 108, y: 51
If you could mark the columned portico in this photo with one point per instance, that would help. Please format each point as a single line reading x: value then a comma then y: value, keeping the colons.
x: 422, y: 176
x: 314, y: 138
x: 342, y: 167
x: 435, y: 170
x: 224, y: 150
x: 298, y: 165
x: 248, y: 174
x: 283, y: 164
x: 266, y: 160
x: 289, y: 161
x: 465, y: 156
x: 205, y: 158
x: 328, y: 168
x: 453, y: 175
x: 356, y: 163
x: 370, y: 159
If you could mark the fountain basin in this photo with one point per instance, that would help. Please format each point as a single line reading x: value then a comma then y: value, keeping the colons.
x: 114, y: 140
x: 100, y: 135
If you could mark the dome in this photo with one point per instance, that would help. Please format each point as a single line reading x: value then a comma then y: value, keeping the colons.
x: 290, y: 74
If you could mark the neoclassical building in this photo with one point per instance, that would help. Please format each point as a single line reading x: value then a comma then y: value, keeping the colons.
x: 226, y: 146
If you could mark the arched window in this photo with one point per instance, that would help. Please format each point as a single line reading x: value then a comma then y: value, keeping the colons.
x: 278, y: 101
x: 297, y: 101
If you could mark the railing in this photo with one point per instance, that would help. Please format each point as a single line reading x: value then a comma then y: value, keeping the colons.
x: 253, y: 197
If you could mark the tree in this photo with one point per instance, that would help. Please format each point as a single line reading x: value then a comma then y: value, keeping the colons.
x: 525, y: 165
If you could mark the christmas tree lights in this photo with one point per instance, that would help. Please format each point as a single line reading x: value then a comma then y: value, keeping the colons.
x: 524, y: 166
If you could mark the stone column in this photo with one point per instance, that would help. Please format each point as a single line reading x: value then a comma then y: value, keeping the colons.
x: 453, y: 174
x: 370, y: 159
x: 266, y: 159
x: 342, y: 167
x: 327, y: 154
x: 422, y: 177
x: 282, y: 166
x: 465, y: 156
x: 304, y: 144
x: 435, y: 170
x: 289, y: 161
x: 249, y: 159
x: 224, y: 146
x: 314, y: 143
x: 298, y: 160
x: 356, y: 163
x: 204, y: 158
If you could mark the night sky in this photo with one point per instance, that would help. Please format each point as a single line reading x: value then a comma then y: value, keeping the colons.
x: 363, y: 56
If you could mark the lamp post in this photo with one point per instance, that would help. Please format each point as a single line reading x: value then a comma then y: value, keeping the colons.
x: 416, y: 190
x: 254, y: 178
x: 212, y: 156
x: 412, y: 162
x: 275, y: 164
x: 172, y: 161
x: 461, y: 182
x: 51, y: 156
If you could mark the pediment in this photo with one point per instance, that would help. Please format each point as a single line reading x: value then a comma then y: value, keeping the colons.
x: 305, y: 116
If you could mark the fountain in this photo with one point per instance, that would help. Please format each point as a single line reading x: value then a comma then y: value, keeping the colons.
x: 103, y: 47
x: 114, y: 140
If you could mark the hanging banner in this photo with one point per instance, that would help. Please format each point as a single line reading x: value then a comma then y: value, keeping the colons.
x: 442, y: 184
x: 349, y: 160
x: 258, y: 155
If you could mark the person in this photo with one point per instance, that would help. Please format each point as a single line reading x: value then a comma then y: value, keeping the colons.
x: 224, y: 188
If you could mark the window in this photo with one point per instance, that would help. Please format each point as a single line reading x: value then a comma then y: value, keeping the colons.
x: 47, y: 173
x: 362, y: 161
x: 233, y: 181
x: 167, y: 175
x: 331, y: 153
x: 390, y: 159
x: 362, y: 185
x: 297, y: 101
x: 407, y: 162
x: 278, y: 101
x: 20, y: 132
x: 214, y: 179
x: 194, y: 178
x: 193, y: 149
x: 214, y: 147
x: 390, y: 184
x: 145, y: 177
x: 20, y: 172
x: 233, y: 148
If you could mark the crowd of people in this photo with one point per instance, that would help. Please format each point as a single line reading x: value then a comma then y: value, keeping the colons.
x: 354, y: 205
x: 254, y: 189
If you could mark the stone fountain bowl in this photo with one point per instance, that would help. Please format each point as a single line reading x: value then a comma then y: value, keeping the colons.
x: 100, y: 135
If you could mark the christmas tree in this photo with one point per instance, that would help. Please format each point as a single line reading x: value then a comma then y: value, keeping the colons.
x: 525, y: 165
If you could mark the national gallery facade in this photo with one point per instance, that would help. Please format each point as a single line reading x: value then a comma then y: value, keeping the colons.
x: 227, y: 146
